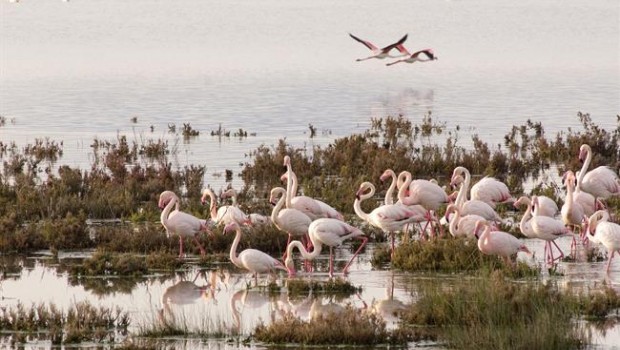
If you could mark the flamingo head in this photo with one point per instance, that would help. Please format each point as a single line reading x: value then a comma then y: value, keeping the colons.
x: 568, y: 178
x: 275, y: 194
x: 165, y: 198
x: 233, y: 226
x: 287, y: 161
x: 583, y: 151
x: 386, y: 174
x: 456, y: 179
x: 452, y: 196
x: 534, y: 202
x: 290, y: 266
x: 284, y: 177
x: 600, y: 205
x: 206, y: 193
x: 449, y: 210
x: 479, y: 225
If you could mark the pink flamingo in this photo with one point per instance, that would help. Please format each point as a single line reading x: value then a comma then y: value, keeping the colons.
x: 224, y: 214
x: 421, y: 212
x: 491, y: 191
x: 572, y: 211
x: 389, y: 217
x: 601, y: 182
x: 178, y: 222
x: 461, y: 226
x: 289, y: 220
x: 498, y: 242
x: 253, y: 218
x: 547, y: 229
x: 314, y: 208
x: 381, y: 53
x: 329, y: 232
x: 460, y: 175
x: 414, y: 57
x: 606, y: 233
x: 252, y: 260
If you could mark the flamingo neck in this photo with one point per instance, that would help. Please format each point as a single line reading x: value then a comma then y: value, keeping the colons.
x: 316, y: 250
x: 454, y: 221
x: 483, y: 240
x: 291, y: 186
x: 526, y: 217
x: 233, y: 249
x: 166, y: 212
x: 461, y: 197
x: 584, y: 168
x: 404, y: 186
x: 357, y: 205
x: 388, y: 195
x: 569, y: 194
x: 277, y: 208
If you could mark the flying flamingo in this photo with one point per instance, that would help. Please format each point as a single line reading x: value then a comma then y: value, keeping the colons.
x: 461, y: 226
x: 181, y: 223
x: 289, y: 220
x: 601, y: 182
x: 329, y: 232
x: 414, y: 57
x: 460, y: 175
x: 252, y: 260
x: 384, y: 52
x: 224, y: 214
x: 389, y: 217
x: 314, y: 208
x: 605, y: 232
x: 498, y: 242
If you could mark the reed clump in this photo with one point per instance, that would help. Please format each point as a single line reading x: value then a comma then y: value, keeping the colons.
x: 335, y: 286
x: 80, y: 322
x: 494, y: 313
x: 348, y: 327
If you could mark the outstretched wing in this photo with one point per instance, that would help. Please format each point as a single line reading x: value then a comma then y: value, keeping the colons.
x: 399, y: 42
x: 368, y: 44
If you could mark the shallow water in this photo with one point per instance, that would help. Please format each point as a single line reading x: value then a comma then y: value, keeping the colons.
x: 219, y: 298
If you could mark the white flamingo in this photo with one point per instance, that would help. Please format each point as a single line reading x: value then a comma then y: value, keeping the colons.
x: 252, y: 260
x: 381, y: 53
x: 329, y: 232
x: 415, y: 57
x: 178, y: 222
x: 289, y: 220
x: 601, y: 182
x: 491, y: 191
x: 460, y: 175
x: 461, y: 225
x: 389, y: 217
x: 498, y: 242
x: 314, y: 208
x: 607, y: 233
x: 225, y: 214
x: 254, y: 218
x: 547, y: 229
x: 572, y: 211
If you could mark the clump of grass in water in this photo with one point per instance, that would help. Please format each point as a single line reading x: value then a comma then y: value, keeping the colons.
x: 81, y: 322
x: 349, y: 327
x: 333, y: 286
x: 452, y: 255
x: 493, y: 313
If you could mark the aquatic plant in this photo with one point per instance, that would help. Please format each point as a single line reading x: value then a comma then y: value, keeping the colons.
x: 332, y: 286
x: 350, y: 327
x: 494, y: 313
x: 80, y: 322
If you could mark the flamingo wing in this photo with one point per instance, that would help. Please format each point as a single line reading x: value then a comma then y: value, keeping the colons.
x: 395, y: 45
x: 257, y: 261
x: 368, y: 44
x: 608, y: 234
x: 333, y: 232
x: 601, y: 182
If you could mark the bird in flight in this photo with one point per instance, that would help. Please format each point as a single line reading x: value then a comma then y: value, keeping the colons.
x: 384, y: 52
x: 415, y: 57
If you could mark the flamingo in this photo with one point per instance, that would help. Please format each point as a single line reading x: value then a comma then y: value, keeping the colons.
x: 329, y: 232
x: 389, y: 173
x: 289, y: 220
x: 389, y: 218
x: 414, y: 57
x: 525, y: 225
x: 547, y: 229
x: 607, y: 233
x: 185, y: 293
x: 181, y: 223
x: 314, y: 208
x: 424, y: 192
x: 420, y: 210
x: 384, y: 52
x: 601, y: 182
x: 572, y: 211
x: 498, y: 242
x: 491, y: 191
x: 254, y: 218
x: 460, y: 175
x: 252, y: 260
x: 461, y: 226
x: 224, y: 214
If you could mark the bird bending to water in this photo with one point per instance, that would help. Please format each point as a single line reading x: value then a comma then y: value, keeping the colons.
x: 329, y: 232
x: 415, y: 57
x: 384, y: 52
x: 605, y: 232
x: 181, y: 223
x: 252, y: 260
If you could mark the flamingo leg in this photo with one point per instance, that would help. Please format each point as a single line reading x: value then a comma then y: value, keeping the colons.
x: 180, y: 247
x: 202, y: 249
x: 364, y: 239
x: 559, y: 250
x: 609, y: 260
x: 331, y: 262
x: 392, y: 253
x: 286, y: 246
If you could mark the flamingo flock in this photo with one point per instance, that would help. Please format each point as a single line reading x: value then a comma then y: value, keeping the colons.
x: 312, y: 224
x: 424, y: 55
